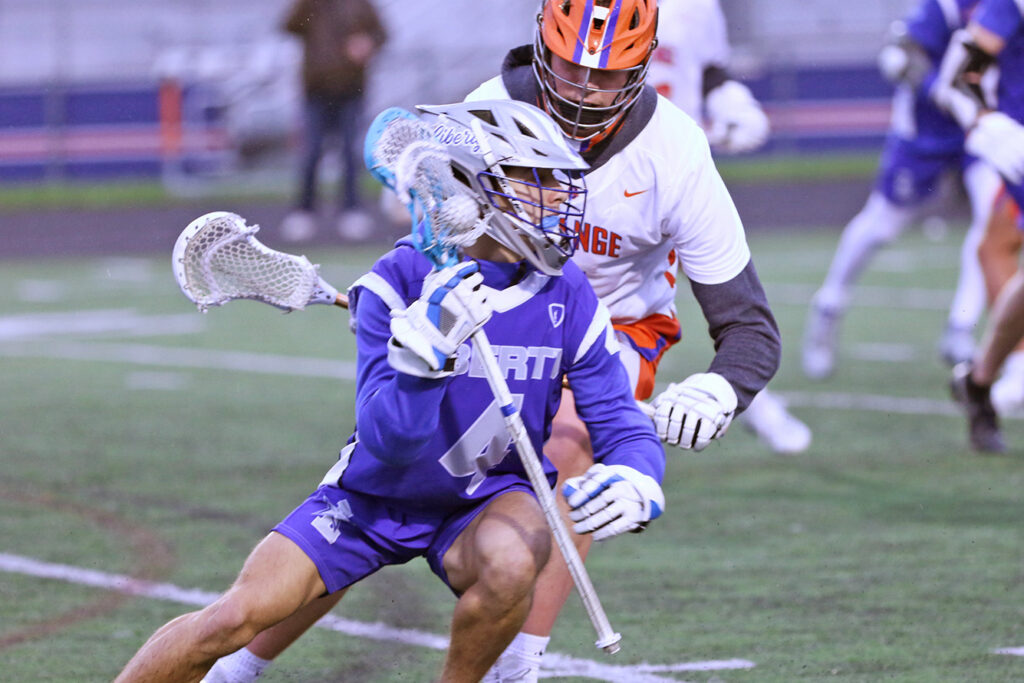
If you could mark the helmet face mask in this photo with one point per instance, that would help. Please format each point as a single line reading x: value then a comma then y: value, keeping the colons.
x: 544, y: 204
x: 527, y: 180
x: 591, y: 59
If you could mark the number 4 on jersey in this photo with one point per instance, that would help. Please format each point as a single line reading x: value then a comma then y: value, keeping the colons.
x: 481, y: 447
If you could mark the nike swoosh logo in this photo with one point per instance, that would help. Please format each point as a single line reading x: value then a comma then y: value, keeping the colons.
x: 627, y: 193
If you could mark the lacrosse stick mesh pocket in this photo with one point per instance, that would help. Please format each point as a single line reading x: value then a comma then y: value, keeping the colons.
x: 222, y: 260
x: 403, y: 154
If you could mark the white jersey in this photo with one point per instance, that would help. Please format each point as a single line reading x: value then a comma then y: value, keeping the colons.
x: 657, y: 205
x: 691, y: 36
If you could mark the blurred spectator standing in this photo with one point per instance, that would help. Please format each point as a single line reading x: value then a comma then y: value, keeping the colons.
x: 340, y: 38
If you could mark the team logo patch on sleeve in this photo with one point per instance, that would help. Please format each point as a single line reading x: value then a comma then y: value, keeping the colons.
x: 557, y: 314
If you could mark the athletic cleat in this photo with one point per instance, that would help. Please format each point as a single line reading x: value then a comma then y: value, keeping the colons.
x: 983, y: 425
x: 956, y: 345
x: 780, y: 430
x: 820, y: 340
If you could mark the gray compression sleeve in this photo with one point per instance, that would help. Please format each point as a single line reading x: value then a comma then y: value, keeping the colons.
x: 746, y: 337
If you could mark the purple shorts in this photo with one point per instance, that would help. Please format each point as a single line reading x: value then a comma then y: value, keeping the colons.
x: 908, y: 176
x: 351, y: 535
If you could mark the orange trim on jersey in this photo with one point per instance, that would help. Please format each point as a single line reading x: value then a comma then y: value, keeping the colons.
x: 651, y: 337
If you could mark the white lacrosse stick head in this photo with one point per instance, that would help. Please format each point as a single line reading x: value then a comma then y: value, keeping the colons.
x: 217, y: 258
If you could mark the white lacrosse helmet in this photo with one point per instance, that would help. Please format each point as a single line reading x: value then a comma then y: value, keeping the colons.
x: 486, y: 137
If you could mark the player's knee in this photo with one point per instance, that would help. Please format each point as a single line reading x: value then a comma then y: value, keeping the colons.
x: 227, y: 625
x: 511, y: 579
x: 515, y: 557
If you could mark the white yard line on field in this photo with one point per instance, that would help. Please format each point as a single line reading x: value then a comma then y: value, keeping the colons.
x: 123, y: 321
x: 305, y: 366
x: 904, y: 405
x: 182, y: 357
x: 554, y: 664
x: 867, y: 296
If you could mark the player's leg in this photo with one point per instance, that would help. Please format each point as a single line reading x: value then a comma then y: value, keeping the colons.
x: 877, y: 224
x: 493, y: 564
x: 999, y: 255
x: 1003, y: 333
x: 353, y: 221
x: 641, y: 345
x: 570, y: 451
x: 972, y: 381
x: 349, y: 110
x: 957, y: 343
x: 568, y: 448
x: 276, y: 580
x: 248, y: 663
x: 300, y: 223
x: 776, y: 427
x: 1000, y: 247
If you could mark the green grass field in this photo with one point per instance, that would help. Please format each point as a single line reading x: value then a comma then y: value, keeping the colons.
x: 141, y: 438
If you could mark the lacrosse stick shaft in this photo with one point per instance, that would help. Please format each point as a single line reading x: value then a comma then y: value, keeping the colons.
x: 607, y: 638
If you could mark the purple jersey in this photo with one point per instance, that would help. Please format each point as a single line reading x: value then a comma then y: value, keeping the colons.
x: 916, y: 118
x: 1005, y: 18
x: 441, y: 445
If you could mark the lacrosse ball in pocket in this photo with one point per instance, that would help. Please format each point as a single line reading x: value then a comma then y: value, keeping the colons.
x: 460, y: 212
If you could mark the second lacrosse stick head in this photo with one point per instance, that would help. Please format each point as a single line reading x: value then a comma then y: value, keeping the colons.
x: 401, y: 152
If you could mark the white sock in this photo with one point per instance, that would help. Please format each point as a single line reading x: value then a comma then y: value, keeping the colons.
x: 239, y: 667
x: 520, y: 662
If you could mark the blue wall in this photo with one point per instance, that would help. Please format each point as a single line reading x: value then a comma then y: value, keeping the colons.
x: 114, y: 130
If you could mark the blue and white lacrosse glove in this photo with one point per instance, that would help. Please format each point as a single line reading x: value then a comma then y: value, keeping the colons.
x: 692, y: 413
x: 609, y: 500
x: 737, y: 121
x: 999, y: 140
x: 426, y: 336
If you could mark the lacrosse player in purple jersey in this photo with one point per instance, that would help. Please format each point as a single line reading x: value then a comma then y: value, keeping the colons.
x: 991, y: 45
x: 657, y: 207
x: 924, y: 143
x: 430, y: 471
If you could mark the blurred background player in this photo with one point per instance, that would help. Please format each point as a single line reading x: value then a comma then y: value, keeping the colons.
x: 923, y: 145
x: 431, y: 470
x: 339, y: 38
x: 656, y: 204
x: 992, y: 44
x: 689, y: 68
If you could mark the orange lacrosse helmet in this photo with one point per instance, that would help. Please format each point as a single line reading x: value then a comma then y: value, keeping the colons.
x: 594, y: 35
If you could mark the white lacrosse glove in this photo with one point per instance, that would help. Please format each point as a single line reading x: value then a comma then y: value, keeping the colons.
x: 609, y: 500
x: 738, y: 124
x: 999, y: 140
x: 692, y: 413
x: 426, y: 336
